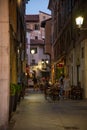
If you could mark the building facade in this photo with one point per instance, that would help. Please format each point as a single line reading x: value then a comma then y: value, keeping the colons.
x: 12, y: 40
x: 68, y: 41
x: 37, y: 57
x: 47, y: 24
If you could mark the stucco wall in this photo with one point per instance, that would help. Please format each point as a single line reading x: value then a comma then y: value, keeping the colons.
x: 4, y: 63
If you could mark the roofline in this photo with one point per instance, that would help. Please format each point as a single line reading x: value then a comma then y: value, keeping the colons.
x: 44, y: 13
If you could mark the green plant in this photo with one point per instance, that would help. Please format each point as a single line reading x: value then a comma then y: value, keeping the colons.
x: 12, y: 89
x: 15, y: 88
x: 18, y: 88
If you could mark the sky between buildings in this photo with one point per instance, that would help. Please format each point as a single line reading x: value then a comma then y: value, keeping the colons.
x: 34, y: 6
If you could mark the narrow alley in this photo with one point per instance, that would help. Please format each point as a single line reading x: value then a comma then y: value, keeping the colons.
x: 43, y: 45
x: 36, y: 113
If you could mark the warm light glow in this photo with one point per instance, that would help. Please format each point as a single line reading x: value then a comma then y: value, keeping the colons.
x: 39, y: 66
x: 32, y: 51
x: 42, y: 61
x: 26, y: 74
x: 18, y: 51
x: 19, y: 1
x: 47, y: 61
x: 79, y: 21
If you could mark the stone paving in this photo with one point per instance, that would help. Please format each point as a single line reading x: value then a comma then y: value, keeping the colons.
x: 36, y: 113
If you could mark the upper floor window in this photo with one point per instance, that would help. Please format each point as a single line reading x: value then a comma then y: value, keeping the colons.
x: 44, y: 17
x: 36, y: 37
x: 36, y: 26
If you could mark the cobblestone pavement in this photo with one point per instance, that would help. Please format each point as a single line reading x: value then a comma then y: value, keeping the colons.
x: 36, y: 113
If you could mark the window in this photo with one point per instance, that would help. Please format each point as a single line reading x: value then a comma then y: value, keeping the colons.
x: 36, y: 26
x: 36, y: 37
x: 33, y: 61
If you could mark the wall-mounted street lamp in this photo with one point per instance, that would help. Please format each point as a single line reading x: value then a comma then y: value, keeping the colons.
x: 79, y: 21
x: 32, y: 51
x: 32, y: 60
